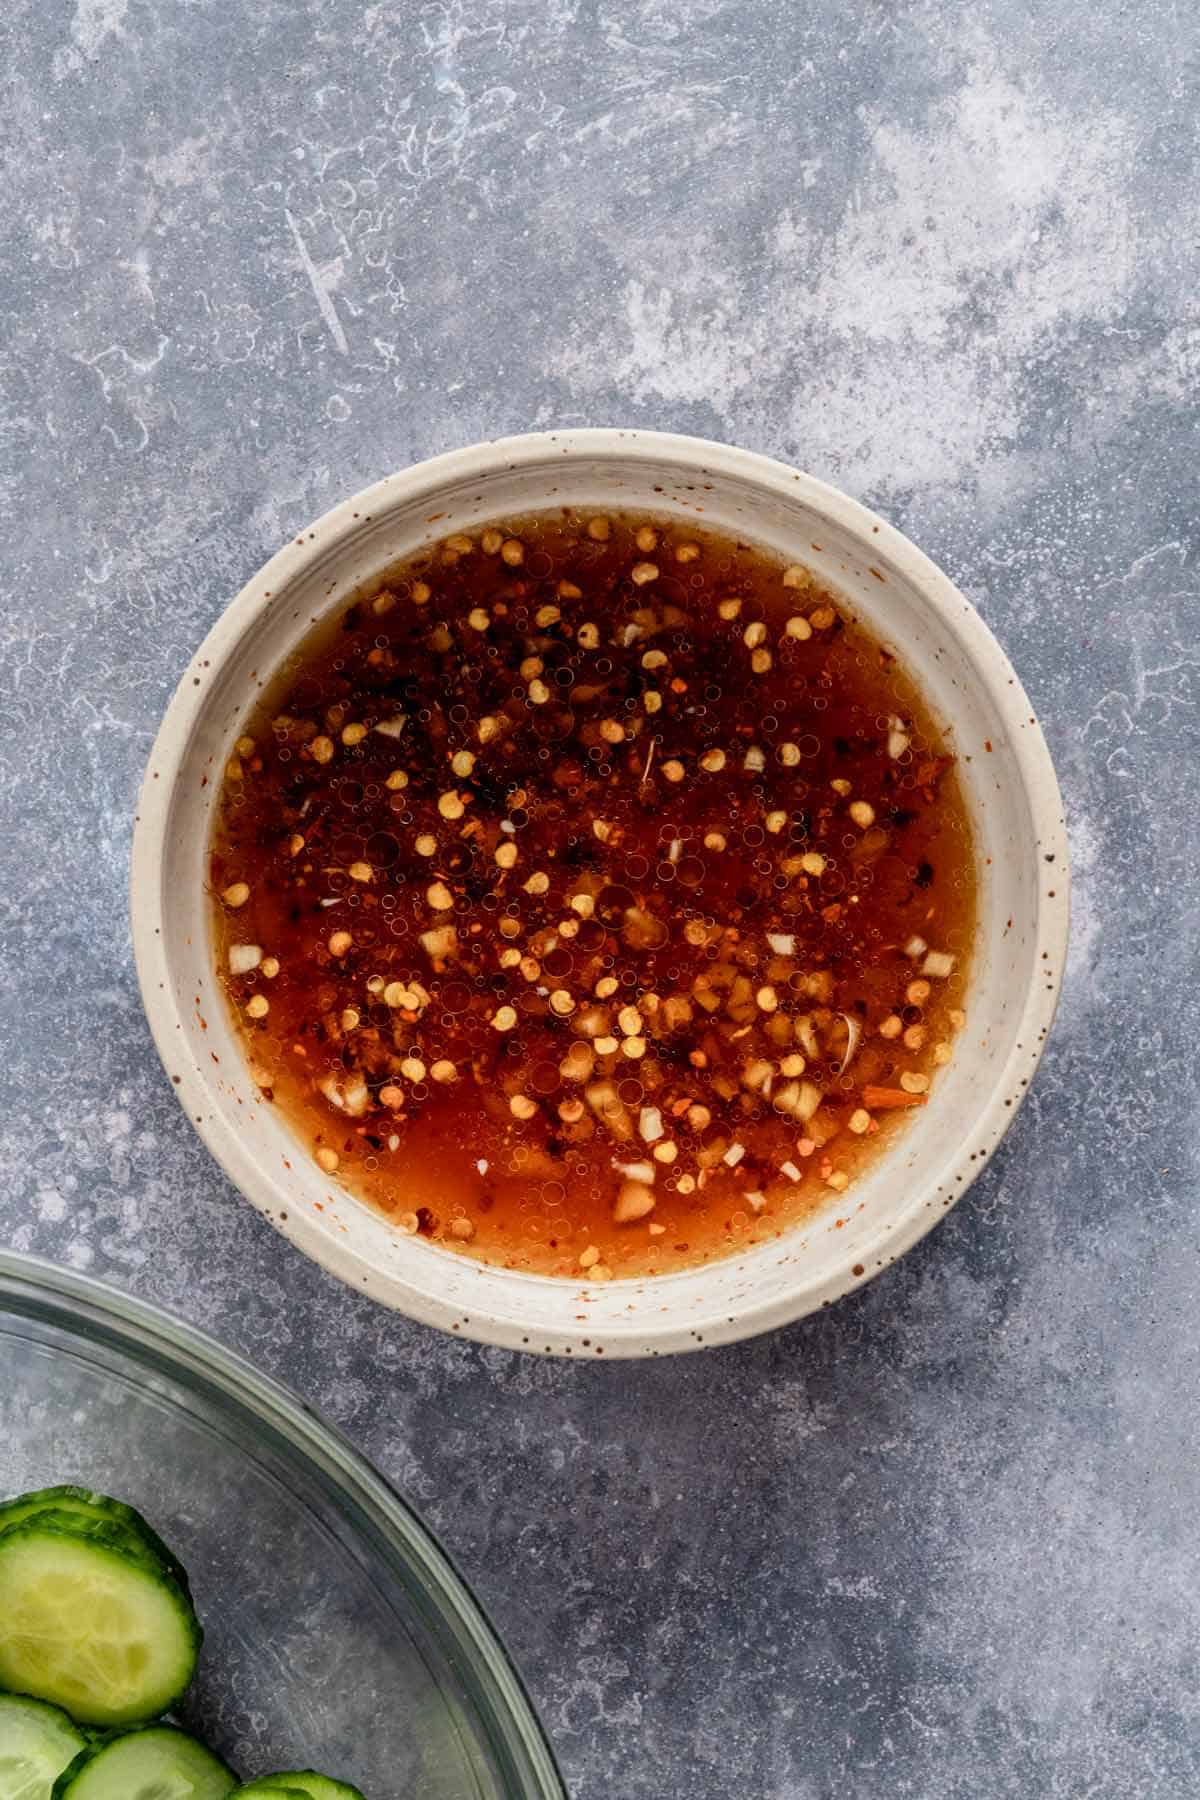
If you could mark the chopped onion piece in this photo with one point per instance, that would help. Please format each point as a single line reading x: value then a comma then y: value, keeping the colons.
x: 916, y: 946
x: 351, y: 1097
x: 853, y: 1040
x: 758, y: 1076
x: 734, y: 1155
x: 636, y: 1171
x: 392, y: 728
x: 898, y: 739
x: 243, y: 958
x: 650, y: 1125
x: 783, y: 943
x: 938, y: 964
x: 791, y: 1171
x: 787, y: 1099
x: 810, y: 1099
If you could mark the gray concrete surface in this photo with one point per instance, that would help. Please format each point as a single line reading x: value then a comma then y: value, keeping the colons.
x: 942, y: 1541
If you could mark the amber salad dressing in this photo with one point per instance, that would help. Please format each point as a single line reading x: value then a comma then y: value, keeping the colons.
x: 596, y: 898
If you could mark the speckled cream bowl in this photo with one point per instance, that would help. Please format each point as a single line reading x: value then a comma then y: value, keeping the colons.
x: 1011, y: 792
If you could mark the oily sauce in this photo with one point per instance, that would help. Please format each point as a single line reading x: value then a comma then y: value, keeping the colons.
x: 597, y: 898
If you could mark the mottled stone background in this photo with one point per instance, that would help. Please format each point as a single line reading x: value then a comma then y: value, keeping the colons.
x: 942, y: 1541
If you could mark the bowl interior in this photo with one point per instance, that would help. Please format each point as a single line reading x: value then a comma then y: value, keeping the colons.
x: 1009, y: 788
x: 335, y: 1636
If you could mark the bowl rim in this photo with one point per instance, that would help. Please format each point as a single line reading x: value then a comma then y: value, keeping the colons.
x: 319, y: 543
x: 43, y: 1291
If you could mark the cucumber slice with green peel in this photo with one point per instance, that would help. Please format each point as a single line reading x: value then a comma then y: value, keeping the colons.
x: 93, y: 1506
x: 87, y: 1626
x: 266, y: 1790
x: 305, y: 1782
x: 154, y: 1762
x: 37, y: 1741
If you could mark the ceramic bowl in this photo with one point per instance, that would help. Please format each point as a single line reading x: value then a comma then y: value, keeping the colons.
x: 1010, y: 790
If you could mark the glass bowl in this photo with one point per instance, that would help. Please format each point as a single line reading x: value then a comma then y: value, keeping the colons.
x: 337, y: 1633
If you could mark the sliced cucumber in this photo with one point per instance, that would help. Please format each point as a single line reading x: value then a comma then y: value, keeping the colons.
x: 261, y: 1790
x: 93, y: 1506
x: 305, y: 1782
x: 154, y: 1762
x: 86, y: 1625
x: 37, y: 1742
